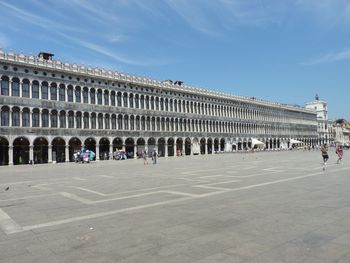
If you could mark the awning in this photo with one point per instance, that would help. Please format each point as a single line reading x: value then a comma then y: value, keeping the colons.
x: 257, y: 143
x: 292, y: 141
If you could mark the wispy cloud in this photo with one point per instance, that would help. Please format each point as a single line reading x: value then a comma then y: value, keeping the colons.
x: 329, y: 58
x: 4, y: 41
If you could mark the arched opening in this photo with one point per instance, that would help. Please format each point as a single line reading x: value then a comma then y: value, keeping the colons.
x: 151, y: 145
x: 4, y: 151
x: 20, y: 151
x: 74, y: 147
x: 179, y: 147
x: 222, y: 145
x: 188, y: 146
x: 239, y: 146
x: 195, y: 146
x: 171, y: 147
x: 129, y: 147
x: 245, y: 146
x: 202, y: 145
x: 58, y: 150
x: 210, y: 145
x: 41, y: 150
x: 104, y: 149
x: 90, y: 144
x: 117, y: 144
x: 216, y: 145
x: 249, y: 144
x: 161, y: 147
x: 140, y: 146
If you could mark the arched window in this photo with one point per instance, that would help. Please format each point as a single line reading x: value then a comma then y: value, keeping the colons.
x: 152, y: 103
x: 119, y: 99
x: 137, y: 123
x: 107, y: 122
x: 77, y: 94
x: 44, y: 90
x: 106, y: 98
x: 62, y: 93
x: 120, y: 122
x: 25, y: 88
x: 86, y: 95
x: 4, y: 85
x: 132, y: 123
x: 157, y: 103
x: 35, y: 118
x: 114, y: 122
x: 53, y: 91
x: 171, y: 105
x: 153, y: 124
x: 99, y: 97
x: 62, y: 119
x: 70, y: 93
x: 175, y: 105
x: 5, y: 116
x: 125, y: 100
x: 92, y: 96
x: 93, y: 120
x: 142, y: 102
x: 100, y: 121
x: 86, y: 120
x: 15, y: 87
x: 71, y: 119
x: 45, y: 118
x: 112, y: 98
x: 166, y: 105
x: 54, y: 119
x: 148, y: 123
x: 131, y: 101
x: 147, y: 102
x: 161, y: 104
x: 25, y: 118
x: 143, y: 123
x: 137, y: 104
x: 15, y: 116
x: 78, y: 120
x: 126, y: 122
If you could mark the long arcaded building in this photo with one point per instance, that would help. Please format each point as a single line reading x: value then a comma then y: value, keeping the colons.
x: 50, y: 109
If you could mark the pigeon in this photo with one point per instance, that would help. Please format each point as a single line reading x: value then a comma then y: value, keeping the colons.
x: 7, y: 188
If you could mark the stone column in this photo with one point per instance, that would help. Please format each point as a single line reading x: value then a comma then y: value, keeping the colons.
x: 166, y: 150
x: 110, y: 151
x: 31, y: 154
x: 97, y: 152
x: 49, y: 154
x: 135, y: 149
x: 10, y: 155
x: 67, y: 153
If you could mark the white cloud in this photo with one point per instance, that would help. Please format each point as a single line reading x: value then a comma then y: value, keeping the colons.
x: 4, y: 41
x: 329, y: 58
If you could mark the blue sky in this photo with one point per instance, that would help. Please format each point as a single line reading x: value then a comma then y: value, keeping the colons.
x: 280, y: 50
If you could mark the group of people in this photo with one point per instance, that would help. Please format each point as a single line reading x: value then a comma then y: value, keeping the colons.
x: 154, y: 156
x: 325, y: 156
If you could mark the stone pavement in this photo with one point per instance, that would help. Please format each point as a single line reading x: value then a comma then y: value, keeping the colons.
x: 253, y: 208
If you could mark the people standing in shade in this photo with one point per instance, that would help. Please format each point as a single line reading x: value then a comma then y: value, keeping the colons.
x: 144, y: 156
x: 154, y: 156
x: 324, y: 152
x: 339, y: 152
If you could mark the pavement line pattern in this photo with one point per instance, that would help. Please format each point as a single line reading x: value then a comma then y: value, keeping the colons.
x: 11, y: 227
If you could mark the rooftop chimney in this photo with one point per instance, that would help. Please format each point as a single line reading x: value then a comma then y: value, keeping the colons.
x: 45, y: 55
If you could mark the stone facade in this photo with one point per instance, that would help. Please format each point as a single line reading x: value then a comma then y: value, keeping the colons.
x: 50, y: 109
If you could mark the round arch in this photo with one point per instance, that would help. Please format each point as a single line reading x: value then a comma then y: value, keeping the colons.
x: 74, y: 146
x: 141, y: 145
x: 58, y: 150
x: 104, y: 148
x: 117, y: 144
x: 41, y: 150
x: 179, y: 147
x: 202, y: 145
x: 161, y: 147
x: 129, y: 147
x: 171, y: 146
x: 90, y: 144
x: 4, y: 151
x: 210, y: 145
x: 20, y: 151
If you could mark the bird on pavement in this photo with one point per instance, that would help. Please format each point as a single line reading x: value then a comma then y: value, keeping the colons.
x: 7, y: 188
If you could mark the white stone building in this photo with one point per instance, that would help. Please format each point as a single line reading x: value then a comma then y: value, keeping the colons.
x: 50, y: 109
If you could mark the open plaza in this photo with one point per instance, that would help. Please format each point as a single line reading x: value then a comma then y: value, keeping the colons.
x: 264, y: 207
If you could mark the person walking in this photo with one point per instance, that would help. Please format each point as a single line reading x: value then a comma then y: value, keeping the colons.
x: 339, y: 152
x: 144, y: 155
x: 154, y: 156
x: 324, y: 152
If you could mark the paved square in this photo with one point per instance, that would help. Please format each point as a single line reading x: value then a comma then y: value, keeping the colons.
x: 252, y: 207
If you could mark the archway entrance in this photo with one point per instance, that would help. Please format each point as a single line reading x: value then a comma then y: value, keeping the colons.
x: 222, y: 145
x: 151, y: 145
x: 41, y: 150
x: 104, y: 149
x: 20, y: 151
x: 171, y: 147
x: 188, y: 145
x: 129, y: 147
x: 239, y: 146
x: 210, y: 145
x: 90, y: 144
x: 117, y: 144
x: 4, y: 151
x: 179, y: 147
x: 74, y: 146
x: 202, y: 143
x: 216, y: 145
x: 58, y: 150
x: 195, y: 146
x: 161, y: 147
x: 140, y: 146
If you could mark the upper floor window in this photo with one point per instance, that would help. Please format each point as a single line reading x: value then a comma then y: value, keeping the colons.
x: 4, y: 86
x: 15, y: 87
x: 62, y: 93
x: 70, y: 93
x: 53, y: 91
x: 35, y: 118
x: 25, y: 118
x: 92, y: 96
x: 45, y: 118
x: 25, y: 88
x: 77, y: 94
x: 5, y: 116
x: 99, y: 97
x: 15, y: 117
x: 85, y: 95
x: 44, y: 91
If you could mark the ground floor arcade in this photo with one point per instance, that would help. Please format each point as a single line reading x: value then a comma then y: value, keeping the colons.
x: 48, y: 149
